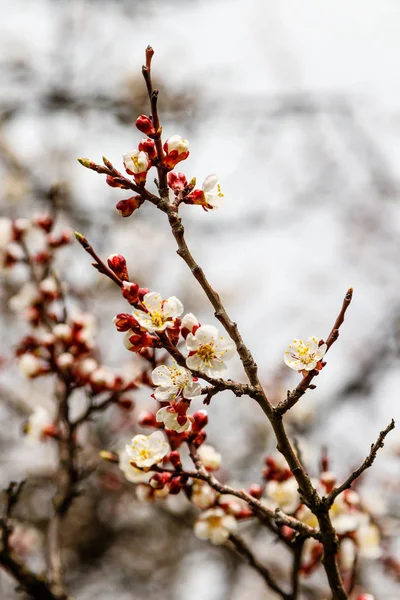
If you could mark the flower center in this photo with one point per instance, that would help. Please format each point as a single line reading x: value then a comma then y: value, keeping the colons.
x: 220, y: 194
x: 144, y: 453
x: 206, y: 352
x: 157, y: 318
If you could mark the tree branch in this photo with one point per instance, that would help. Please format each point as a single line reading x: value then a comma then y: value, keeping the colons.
x: 365, y: 465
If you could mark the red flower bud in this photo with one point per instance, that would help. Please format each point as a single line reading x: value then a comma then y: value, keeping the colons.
x: 142, y: 292
x: 126, y: 403
x: 56, y: 241
x: 148, y: 419
x: 145, y: 125
x: 175, y: 459
x: 255, y: 490
x: 200, y: 418
x: 176, y: 181
x: 130, y: 291
x: 175, y: 485
x: 124, y: 322
x: 126, y: 207
x: 148, y: 146
x: 117, y: 264
x: 45, y: 222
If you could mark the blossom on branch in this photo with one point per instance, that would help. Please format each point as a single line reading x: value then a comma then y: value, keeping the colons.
x: 173, y: 420
x: 307, y: 356
x: 215, y: 525
x: 131, y: 473
x: 176, y: 149
x: 209, y: 197
x: 208, y: 350
x: 174, y: 381
x: 160, y: 314
x: 137, y: 163
x: 283, y: 495
x: 39, y: 425
x: 147, y: 450
x: 210, y: 458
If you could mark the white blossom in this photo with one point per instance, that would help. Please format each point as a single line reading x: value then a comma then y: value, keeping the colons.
x: 65, y: 360
x: 37, y: 423
x: 6, y: 232
x: 102, y: 376
x: 170, y: 419
x: 62, y: 331
x: 30, y: 365
x: 210, y: 458
x: 304, y: 356
x: 174, y: 381
x: 212, y: 191
x: 147, y: 450
x: 136, y: 161
x: 189, y: 321
x: 368, y: 540
x: 283, y: 494
x: 176, y: 142
x: 87, y: 366
x: 203, y: 495
x: 27, y: 295
x: 215, y: 525
x: 208, y: 350
x: 161, y: 313
x: 48, y: 286
x: 131, y: 473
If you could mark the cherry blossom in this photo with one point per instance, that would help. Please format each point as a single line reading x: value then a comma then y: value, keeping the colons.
x: 161, y: 314
x: 174, y: 381
x: 30, y: 365
x: 203, y: 495
x: 137, y: 164
x: 210, y: 458
x: 283, y: 495
x: 208, y: 350
x: 210, y: 196
x: 131, y: 473
x: 38, y: 422
x: 176, y: 149
x: 171, y: 418
x: 147, y: 450
x: 302, y: 356
x: 215, y: 525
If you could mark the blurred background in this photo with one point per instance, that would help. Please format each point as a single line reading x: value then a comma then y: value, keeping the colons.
x: 296, y: 107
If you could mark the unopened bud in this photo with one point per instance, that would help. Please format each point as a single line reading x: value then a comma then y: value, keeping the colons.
x: 44, y: 221
x: 175, y: 459
x: 255, y: 490
x: 109, y: 456
x: 130, y: 291
x: 145, y: 125
x: 126, y: 207
x: 117, y: 264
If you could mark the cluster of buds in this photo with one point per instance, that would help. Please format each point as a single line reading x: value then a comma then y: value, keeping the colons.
x: 15, y: 234
x: 154, y: 317
x: 357, y: 531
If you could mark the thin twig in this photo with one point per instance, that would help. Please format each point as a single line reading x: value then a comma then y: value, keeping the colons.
x: 365, y: 465
x: 294, y: 396
x: 242, y: 548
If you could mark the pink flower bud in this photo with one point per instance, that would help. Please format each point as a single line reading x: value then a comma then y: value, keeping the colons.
x: 145, y: 125
x: 200, y: 418
x: 176, y: 181
x: 159, y: 480
x: 117, y: 264
x: 130, y: 291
